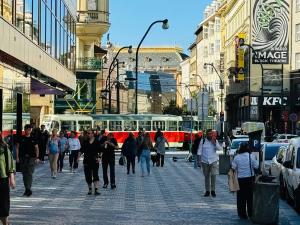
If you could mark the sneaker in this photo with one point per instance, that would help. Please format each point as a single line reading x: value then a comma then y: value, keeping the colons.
x: 90, y: 192
x: 105, y: 185
x: 206, y: 194
x: 133, y: 171
x: 213, y: 194
x: 113, y: 186
x: 29, y: 193
x: 96, y: 192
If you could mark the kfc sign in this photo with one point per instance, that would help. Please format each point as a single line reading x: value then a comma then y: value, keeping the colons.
x: 274, y: 101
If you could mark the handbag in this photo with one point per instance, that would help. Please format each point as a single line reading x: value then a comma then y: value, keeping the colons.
x: 122, y: 161
x: 233, y: 182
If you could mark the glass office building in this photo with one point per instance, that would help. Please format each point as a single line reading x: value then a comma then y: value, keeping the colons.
x: 48, y: 23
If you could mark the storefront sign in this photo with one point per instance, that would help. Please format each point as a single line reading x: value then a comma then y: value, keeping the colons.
x: 254, y: 101
x: 274, y: 101
x: 270, y: 36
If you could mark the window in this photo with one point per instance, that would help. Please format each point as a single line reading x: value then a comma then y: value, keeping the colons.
x: 158, y: 125
x: 20, y: 14
x: 211, y: 28
x: 48, y: 30
x: 115, y: 125
x: 84, y: 125
x: 35, y: 21
x: 297, y: 61
x: 218, y: 45
x: 205, y: 53
x: 101, y: 125
x: 53, y: 38
x: 130, y: 125
x: 205, y: 32
x: 298, y: 32
x: 92, y: 5
x: 217, y: 25
x: 145, y: 125
x: 8, y: 10
x: 68, y: 125
x: 297, y: 5
x: 28, y: 18
x: 43, y: 25
x: 172, y: 125
x: 211, y: 48
x: 55, y: 125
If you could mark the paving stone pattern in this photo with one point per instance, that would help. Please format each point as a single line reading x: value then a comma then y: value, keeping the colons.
x: 170, y: 195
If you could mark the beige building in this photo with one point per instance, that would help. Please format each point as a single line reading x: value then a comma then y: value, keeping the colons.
x: 34, y: 59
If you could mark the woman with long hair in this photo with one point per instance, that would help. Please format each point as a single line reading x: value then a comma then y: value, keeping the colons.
x: 145, y: 147
x: 53, y: 151
x: 91, y: 150
x: 244, y: 163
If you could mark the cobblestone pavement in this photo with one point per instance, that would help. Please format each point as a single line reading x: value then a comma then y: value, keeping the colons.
x: 170, y: 195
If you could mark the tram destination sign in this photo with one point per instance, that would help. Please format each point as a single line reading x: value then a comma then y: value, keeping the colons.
x: 270, y: 36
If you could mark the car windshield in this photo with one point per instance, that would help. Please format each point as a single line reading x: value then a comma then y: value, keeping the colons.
x: 236, y: 144
x: 271, y: 151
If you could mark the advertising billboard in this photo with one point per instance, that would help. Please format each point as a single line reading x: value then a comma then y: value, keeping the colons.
x: 270, y: 31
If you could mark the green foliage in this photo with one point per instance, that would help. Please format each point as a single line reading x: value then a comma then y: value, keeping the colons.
x: 173, y: 109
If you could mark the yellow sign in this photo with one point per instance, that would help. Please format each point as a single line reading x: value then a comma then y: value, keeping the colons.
x: 241, y: 59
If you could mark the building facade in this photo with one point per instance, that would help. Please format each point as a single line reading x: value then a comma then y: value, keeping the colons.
x: 37, y: 54
x: 92, y: 23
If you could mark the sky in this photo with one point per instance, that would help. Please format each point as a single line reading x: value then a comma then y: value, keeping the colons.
x: 131, y: 18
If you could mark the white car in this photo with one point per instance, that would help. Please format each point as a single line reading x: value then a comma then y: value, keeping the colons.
x: 269, y: 150
x: 235, y: 144
x: 283, y: 137
x: 290, y: 174
x: 278, y: 159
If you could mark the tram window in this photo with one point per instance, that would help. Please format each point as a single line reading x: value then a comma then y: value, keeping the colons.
x: 172, y: 125
x: 84, y: 125
x: 129, y: 125
x: 115, y: 125
x: 102, y: 125
x: 195, y: 123
x: 68, y: 125
x: 54, y: 125
x: 8, y: 125
x: 159, y: 125
x: 145, y: 125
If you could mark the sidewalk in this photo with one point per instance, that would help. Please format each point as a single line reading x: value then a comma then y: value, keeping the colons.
x: 170, y: 195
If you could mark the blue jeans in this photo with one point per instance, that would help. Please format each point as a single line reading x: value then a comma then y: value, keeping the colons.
x: 195, y: 161
x: 145, y: 159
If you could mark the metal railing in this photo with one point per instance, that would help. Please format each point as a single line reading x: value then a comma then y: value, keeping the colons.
x: 92, y: 17
x: 88, y: 63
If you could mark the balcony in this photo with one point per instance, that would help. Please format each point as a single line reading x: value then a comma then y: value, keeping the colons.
x: 89, y: 63
x: 93, y: 17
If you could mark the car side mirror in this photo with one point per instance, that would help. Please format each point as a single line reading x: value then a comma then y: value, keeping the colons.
x: 288, y: 164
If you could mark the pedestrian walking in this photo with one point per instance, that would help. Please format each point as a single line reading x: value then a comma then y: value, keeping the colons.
x: 108, y: 145
x: 27, y: 150
x: 195, y: 147
x: 139, y: 141
x: 145, y: 148
x: 74, y: 148
x: 160, y: 147
x: 244, y: 163
x: 207, y: 155
x: 42, y: 136
x: 7, y: 180
x: 92, y: 153
x: 53, y: 152
x: 129, y: 150
x: 63, y: 148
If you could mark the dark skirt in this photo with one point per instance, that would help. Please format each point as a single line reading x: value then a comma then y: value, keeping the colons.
x: 4, y: 197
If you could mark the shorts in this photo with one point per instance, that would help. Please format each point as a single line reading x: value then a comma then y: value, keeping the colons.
x: 4, y: 197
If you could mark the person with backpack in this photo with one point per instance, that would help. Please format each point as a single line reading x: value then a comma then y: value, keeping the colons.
x: 53, y: 152
x: 27, y: 153
x: 7, y: 180
x: 195, y: 147
x: 129, y: 150
x: 160, y: 147
x: 208, y: 160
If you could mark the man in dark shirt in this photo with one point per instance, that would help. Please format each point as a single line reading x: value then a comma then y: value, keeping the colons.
x: 108, y: 145
x: 42, y: 138
x: 27, y: 153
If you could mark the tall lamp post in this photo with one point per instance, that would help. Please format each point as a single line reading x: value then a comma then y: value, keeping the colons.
x: 202, y: 97
x: 110, y: 70
x: 222, y: 88
x: 164, y: 26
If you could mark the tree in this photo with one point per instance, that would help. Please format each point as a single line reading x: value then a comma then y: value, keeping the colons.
x: 173, y: 109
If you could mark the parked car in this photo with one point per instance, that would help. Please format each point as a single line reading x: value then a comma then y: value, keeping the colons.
x: 235, y: 144
x: 290, y: 174
x: 278, y: 159
x: 283, y: 137
x: 269, y: 150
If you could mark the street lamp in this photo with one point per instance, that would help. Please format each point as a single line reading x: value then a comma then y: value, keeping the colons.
x: 165, y: 25
x: 110, y: 70
x: 222, y: 88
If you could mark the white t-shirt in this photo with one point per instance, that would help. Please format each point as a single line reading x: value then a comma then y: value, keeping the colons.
x: 208, y: 151
x: 241, y: 163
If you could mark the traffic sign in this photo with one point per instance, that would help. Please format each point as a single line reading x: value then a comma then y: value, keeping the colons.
x: 293, y: 117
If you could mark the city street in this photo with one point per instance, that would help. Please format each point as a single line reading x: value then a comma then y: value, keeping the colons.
x: 170, y: 195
